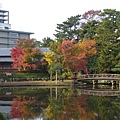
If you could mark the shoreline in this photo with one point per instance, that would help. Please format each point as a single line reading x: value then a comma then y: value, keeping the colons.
x: 36, y: 83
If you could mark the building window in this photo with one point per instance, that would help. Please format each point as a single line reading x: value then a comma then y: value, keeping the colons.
x: 13, y: 35
x: 11, y: 46
x: 12, y: 41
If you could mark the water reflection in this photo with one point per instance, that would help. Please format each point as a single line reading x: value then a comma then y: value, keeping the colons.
x: 59, y: 104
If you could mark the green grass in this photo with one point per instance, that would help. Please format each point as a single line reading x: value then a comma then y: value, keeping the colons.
x: 30, y: 75
x: 37, y: 83
x: 26, y: 75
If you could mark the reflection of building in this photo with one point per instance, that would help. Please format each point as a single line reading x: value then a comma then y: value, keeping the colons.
x: 5, y: 108
x: 8, y: 38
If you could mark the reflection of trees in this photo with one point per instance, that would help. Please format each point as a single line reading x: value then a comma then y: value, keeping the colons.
x: 77, y: 109
x: 67, y: 107
x: 106, y: 107
x: 63, y: 106
x: 82, y: 107
x: 117, y: 103
x: 26, y: 108
x: 2, y: 117
x: 30, y: 103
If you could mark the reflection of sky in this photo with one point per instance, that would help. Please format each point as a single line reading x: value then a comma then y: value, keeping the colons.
x: 39, y: 118
x: 5, y: 109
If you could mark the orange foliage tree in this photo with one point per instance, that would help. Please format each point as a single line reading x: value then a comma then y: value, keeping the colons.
x: 25, y: 55
x: 76, y: 55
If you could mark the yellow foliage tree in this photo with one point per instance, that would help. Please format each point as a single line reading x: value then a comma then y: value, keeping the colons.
x: 48, y: 56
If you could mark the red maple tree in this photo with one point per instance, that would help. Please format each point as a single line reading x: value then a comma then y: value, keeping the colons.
x: 25, y: 55
x: 76, y: 55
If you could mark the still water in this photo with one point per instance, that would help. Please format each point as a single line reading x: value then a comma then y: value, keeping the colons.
x: 60, y: 103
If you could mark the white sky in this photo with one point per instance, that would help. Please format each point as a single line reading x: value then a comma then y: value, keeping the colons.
x: 42, y: 16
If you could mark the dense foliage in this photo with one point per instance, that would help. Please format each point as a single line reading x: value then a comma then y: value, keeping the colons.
x: 88, y: 42
x: 26, y: 55
x: 104, y: 27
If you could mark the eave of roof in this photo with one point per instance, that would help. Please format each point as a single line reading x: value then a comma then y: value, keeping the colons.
x: 8, y: 30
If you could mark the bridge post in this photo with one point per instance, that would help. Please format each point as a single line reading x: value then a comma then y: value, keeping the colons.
x: 93, y: 87
x: 112, y: 84
x: 75, y: 78
x: 93, y: 81
x: 119, y: 84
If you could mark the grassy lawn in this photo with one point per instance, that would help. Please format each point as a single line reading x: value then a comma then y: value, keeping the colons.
x: 30, y: 75
x: 25, y: 75
x: 37, y: 83
x: 31, y: 79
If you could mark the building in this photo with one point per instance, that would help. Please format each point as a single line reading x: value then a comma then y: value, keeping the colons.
x: 8, y: 36
x: 7, y: 39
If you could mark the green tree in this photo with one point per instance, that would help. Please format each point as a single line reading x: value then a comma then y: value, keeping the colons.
x: 92, y: 64
x: 89, y: 24
x: 117, y: 67
x: 46, y: 42
x: 108, y: 42
x: 69, y: 29
x: 78, y: 27
x: 88, y: 31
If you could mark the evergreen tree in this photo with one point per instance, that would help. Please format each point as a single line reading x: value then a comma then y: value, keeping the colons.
x: 108, y: 33
x: 46, y: 42
x: 117, y: 67
x: 69, y: 29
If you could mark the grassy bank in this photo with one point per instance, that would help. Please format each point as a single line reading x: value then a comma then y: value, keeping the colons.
x: 37, y: 83
x: 24, y: 75
x: 31, y: 79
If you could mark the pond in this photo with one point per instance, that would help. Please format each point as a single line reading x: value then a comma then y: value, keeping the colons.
x: 60, y: 103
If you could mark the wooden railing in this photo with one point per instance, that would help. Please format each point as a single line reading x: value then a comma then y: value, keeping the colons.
x: 99, y: 76
x: 99, y: 93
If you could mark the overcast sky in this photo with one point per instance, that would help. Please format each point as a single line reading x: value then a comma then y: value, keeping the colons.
x: 42, y: 16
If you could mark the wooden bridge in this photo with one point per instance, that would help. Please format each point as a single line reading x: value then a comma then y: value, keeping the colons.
x: 95, y: 78
x: 99, y: 77
x: 99, y: 92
